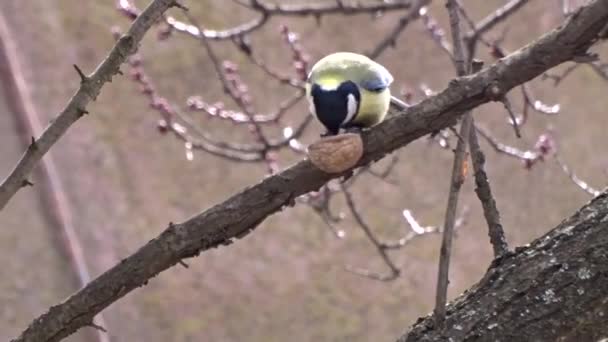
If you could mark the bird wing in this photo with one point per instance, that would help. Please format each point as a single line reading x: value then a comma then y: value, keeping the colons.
x: 377, y: 80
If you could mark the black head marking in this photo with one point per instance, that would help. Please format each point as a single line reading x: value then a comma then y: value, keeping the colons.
x: 331, y: 106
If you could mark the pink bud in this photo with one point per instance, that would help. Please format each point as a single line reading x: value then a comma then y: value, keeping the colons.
x: 162, y: 126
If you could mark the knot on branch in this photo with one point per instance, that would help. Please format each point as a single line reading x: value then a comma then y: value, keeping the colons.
x: 33, y: 144
x: 26, y: 182
x: 495, y: 92
x: 126, y: 46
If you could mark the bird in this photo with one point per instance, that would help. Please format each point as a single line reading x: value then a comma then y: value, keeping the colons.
x: 346, y: 90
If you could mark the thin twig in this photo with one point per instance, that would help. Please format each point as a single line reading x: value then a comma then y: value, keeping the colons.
x: 394, y: 270
x: 437, y: 33
x: 193, y: 136
x: 416, y: 230
x: 267, y: 10
x: 390, y: 40
x: 494, y: 18
x: 574, y: 178
x: 458, y: 171
x: 514, y: 121
x: 320, y: 202
x: 484, y: 192
x: 544, y: 148
x: 229, y: 84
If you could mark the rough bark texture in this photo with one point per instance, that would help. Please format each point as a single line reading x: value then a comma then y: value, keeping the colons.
x: 555, y: 289
x: 242, y: 212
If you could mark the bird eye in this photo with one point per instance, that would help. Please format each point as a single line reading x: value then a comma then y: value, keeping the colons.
x: 375, y: 85
x: 377, y: 89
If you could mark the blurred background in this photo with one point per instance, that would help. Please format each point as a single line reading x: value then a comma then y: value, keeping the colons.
x: 124, y: 181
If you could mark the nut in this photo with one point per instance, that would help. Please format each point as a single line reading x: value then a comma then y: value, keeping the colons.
x: 337, y: 153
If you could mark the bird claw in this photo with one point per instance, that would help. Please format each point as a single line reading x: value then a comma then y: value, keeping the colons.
x: 354, y: 130
x: 328, y: 134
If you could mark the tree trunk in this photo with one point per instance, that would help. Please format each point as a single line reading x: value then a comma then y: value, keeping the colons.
x: 555, y: 289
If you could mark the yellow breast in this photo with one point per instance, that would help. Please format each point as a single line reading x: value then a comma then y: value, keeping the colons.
x: 373, y: 107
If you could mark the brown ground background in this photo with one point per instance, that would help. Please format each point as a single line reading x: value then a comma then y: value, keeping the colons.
x: 285, y: 281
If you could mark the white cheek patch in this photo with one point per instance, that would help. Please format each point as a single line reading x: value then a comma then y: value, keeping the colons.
x: 311, y: 106
x: 351, y: 108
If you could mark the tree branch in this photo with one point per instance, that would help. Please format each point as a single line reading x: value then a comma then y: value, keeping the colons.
x: 268, y: 10
x: 241, y: 213
x: 488, y: 203
x: 463, y: 67
x: 552, y: 290
x: 90, y: 87
x: 402, y: 23
x: 495, y: 18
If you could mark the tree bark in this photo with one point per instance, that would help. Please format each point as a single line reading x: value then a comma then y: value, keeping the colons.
x: 555, y: 289
x: 241, y: 213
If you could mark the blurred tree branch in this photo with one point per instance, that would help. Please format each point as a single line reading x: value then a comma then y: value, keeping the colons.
x: 463, y: 67
x: 266, y: 10
x: 90, y: 87
x: 241, y: 213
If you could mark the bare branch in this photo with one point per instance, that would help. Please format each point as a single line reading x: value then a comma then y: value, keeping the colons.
x: 383, y: 247
x: 394, y: 270
x: 574, y: 178
x: 233, y: 85
x: 495, y: 18
x: 218, y: 110
x: 89, y: 89
x: 436, y: 32
x: 463, y: 61
x: 484, y: 192
x: 458, y: 169
x: 320, y: 202
x: 183, y: 128
x: 544, y: 147
x: 513, y: 118
x: 268, y: 10
x: 417, y: 230
x: 390, y: 40
x: 529, y: 157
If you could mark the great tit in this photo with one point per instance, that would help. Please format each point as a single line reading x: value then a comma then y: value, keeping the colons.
x: 348, y: 90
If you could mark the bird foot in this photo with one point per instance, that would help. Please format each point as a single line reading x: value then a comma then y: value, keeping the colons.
x: 328, y: 134
x: 354, y: 130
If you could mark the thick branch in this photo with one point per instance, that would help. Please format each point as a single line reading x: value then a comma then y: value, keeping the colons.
x: 555, y: 289
x: 90, y: 87
x: 242, y: 212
